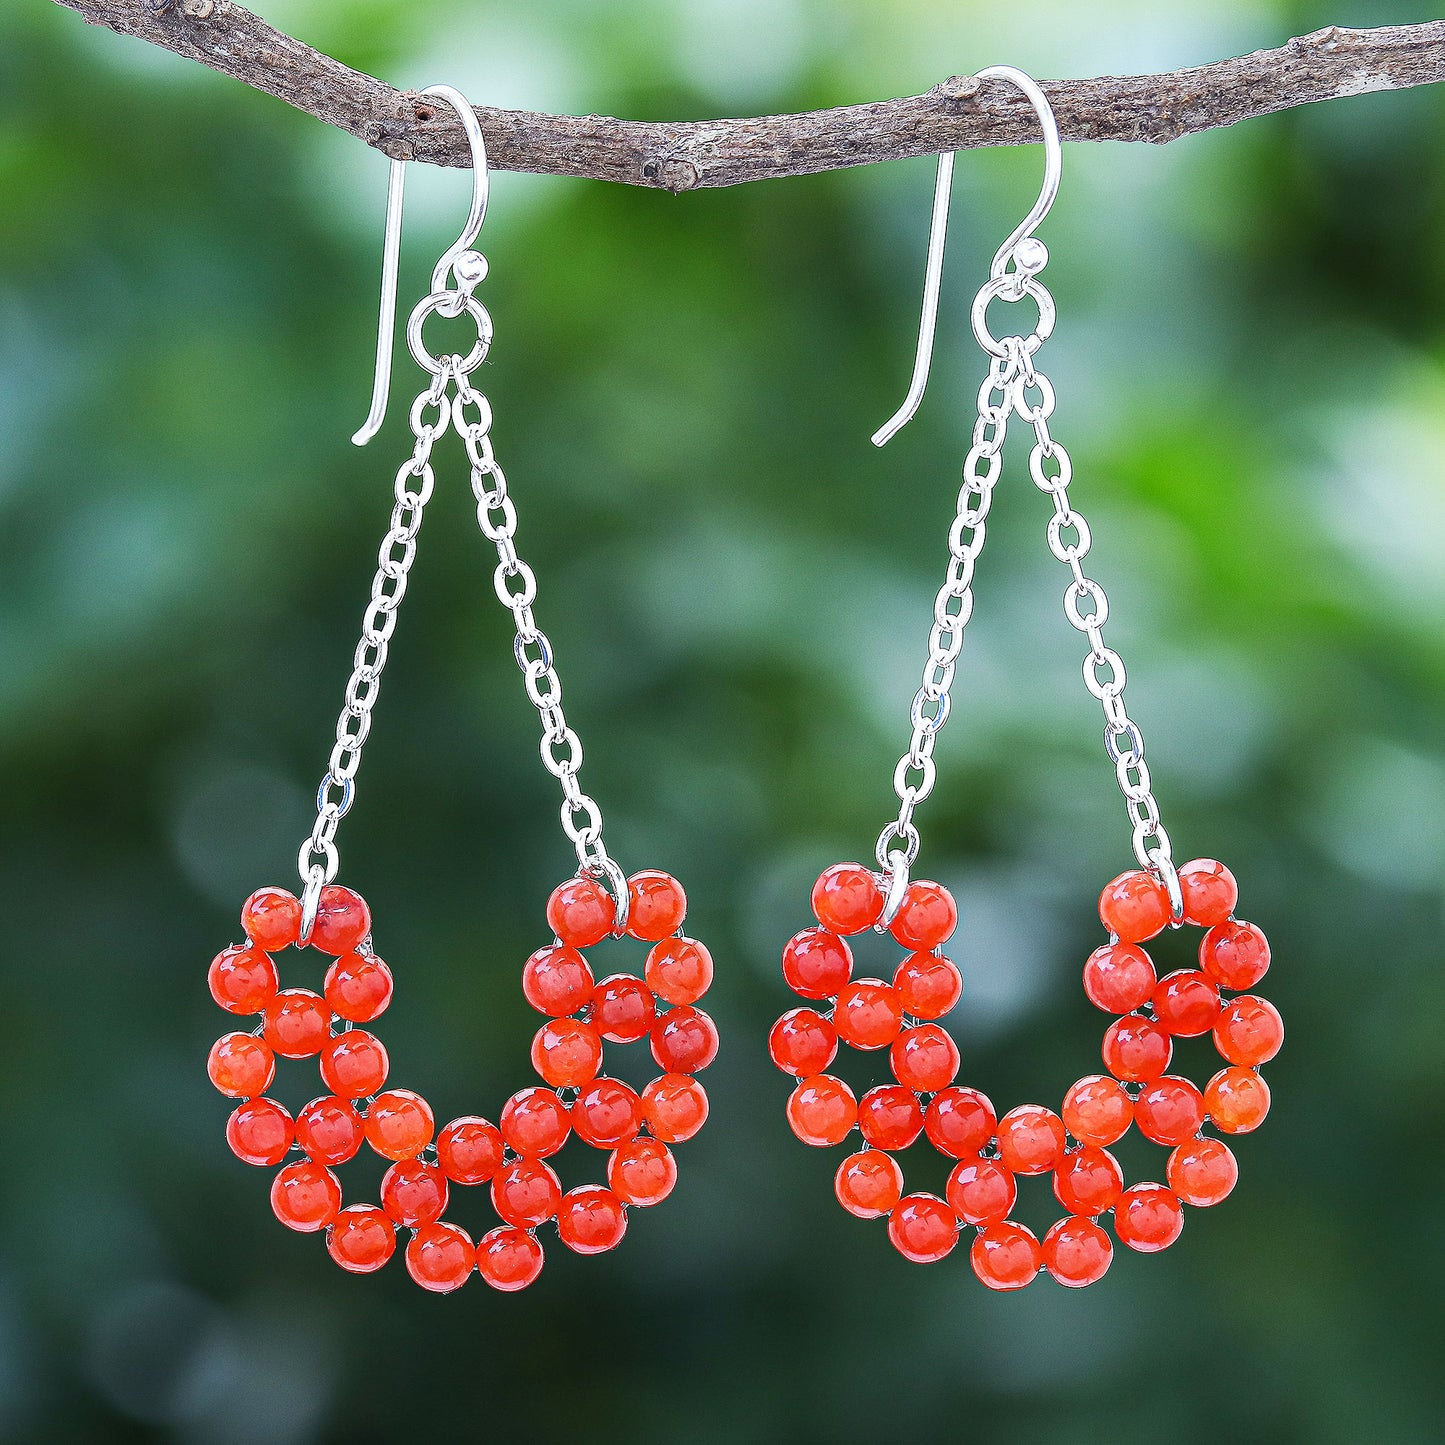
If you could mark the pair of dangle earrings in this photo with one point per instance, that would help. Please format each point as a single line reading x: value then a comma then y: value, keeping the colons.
x: 360, y: 1108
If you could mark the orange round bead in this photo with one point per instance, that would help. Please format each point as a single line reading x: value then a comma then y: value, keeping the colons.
x: 298, y: 1023
x: 868, y: 1184
x: 354, y: 1064
x: 889, y: 1117
x: 1169, y: 1111
x: 847, y: 898
x: 1118, y: 978
x: 305, y: 1196
x: 656, y: 905
x: 535, y: 1123
x: 241, y: 1066
x: 469, y: 1150
x: 1209, y: 890
x: 358, y: 987
x: 816, y: 963
x: 1236, y: 1100
x: 1234, y: 955
x: 1006, y: 1256
x: 674, y: 1108
x: 361, y: 1239
x: 1098, y: 1110
x: 591, y: 1220
x: 1202, y: 1172
x: 922, y: 1228
x: 928, y: 985
x: 526, y: 1192
x: 959, y: 1122
x: 822, y: 1110
x: 439, y: 1257
x: 803, y: 1042
x: 1031, y: 1139
x: 581, y: 912
x: 556, y: 980
x: 1186, y: 1003
x: 272, y: 918
x: 508, y: 1259
x: 399, y: 1124
x: 868, y: 1014
x: 1249, y: 1031
x: 1088, y: 1181
x: 414, y: 1193
x: 1148, y: 1218
x: 329, y: 1130
x: 1077, y: 1252
x: 342, y: 920
x: 1134, y: 906
x: 684, y: 1040
x: 566, y: 1053
x: 1136, y: 1049
x: 623, y: 1009
x: 981, y: 1191
x: 260, y: 1132
x: 926, y: 918
x: 924, y: 1058
x: 642, y: 1172
x: 242, y: 980
x: 679, y: 970
x: 606, y: 1113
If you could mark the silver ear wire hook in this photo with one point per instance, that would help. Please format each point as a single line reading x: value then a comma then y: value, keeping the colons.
x: 467, y: 265
x: 1026, y: 251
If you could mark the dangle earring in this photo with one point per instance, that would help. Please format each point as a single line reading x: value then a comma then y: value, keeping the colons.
x: 358, y: 1106
x: 1119, y: 977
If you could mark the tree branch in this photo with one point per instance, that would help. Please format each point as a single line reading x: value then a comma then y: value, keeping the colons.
x: 683, y: 156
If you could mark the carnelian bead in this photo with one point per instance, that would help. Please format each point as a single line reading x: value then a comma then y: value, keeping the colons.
x: 581, y: 912
x: 272, y: 918
x: 928, y: 985
x: 1202, y: 1172
x: 803, y: 1042
x: 1236, y: 1100
x: 1118, y: 978
x: 342, y: 920
x: 1098, y: 1110
x: 399, y: 1124
x: 241, y: 1066
x: 439, y: 1257
x: 642, y: 1172
x: 684, y: 1040
x: 556, y: 980
x: 242, y: 980
x: 1006, y: 1256
x: 469, y: 1150
x: 566, y: 1053
x: 354, y: 1064
x: 1136, y: 1049
x: 847, y: 898
x: 959, y: 1122
x: 1186, y: 1003
x: 535, y: 1123
x: 1148, y: 1218
x: 924, y: 1058
x: 656, y: 905
x: 509, y: 1259
x: 1088, y: 1181
x: 679, y: 970
x: 674, y: 1108
x: 1249, y: 1031
x: 1209, y: 890
x: 298, y: 1023
x: 358, y: 987
x: 623, y: 1009
x: 361, y: 1239
x: 414, y: 1193
x: 525, y: 1192
x: 868, y: 1184
x: 1031, y: 1139
x: 1234, y: 955
x: 1077, y: 1252
x: 1134, y: 906
x: 922, y: 1228
x: 260, y: 1132
x: 868, y: 1014
x: 889, y: 1117
x: 329, y: 1130
x: 926, y: 917
x: 1169, y: 1111
x: 305, y: 1196
x: 822, y: 1110
x: 816, y: 963
x: 591, y: 1220
x: 606, y: 1113
x: 981, y: 1191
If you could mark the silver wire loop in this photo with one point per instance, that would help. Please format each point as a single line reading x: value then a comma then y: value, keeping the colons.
x: 896, y: 875
x: 1163, y: 866
x: 310, y: 902
x: 605, y: 870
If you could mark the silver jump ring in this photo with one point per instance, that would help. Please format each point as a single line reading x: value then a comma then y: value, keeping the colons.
x: 1030, y: 344
x: 311, y: 901
x: 604, y: 869
x: 424, y: 308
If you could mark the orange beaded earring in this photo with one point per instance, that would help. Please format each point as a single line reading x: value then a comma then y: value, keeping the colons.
x: 1119, y: 977
x: 634, y: 1130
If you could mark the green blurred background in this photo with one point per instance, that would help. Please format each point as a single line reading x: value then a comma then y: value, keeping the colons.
x: 1250, y: 363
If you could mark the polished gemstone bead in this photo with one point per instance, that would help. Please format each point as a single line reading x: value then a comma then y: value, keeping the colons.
x: 342, y: 920
x: 1118, y: 978
x: 816, y: 963
x: 684, y: 1040
x: 354, y: 1064
x: 556, y: 980
x: 525, y: 1192
x: 305, y: 1196
x: 1234, y: 955
x: 889, y: 1117
x: 623, y: 1009
x: 822, y: 1110
x: 674, y: 1108
x: 260, y: 1131
x: 1088, y: 1181
x: 926, y: 918
x: 868, y: 1014
x: 1249, y: 1031
x: 358, y: 987
x: 868, y: 1184
x: 679, y: 970
x: 1169, y: 1110
x: 1236, y: 1100
x: 1186, y: 1003
x: 922, y: 1228
x: 469, y: 1150
x: 1006, y: 1256
x: 1077, y: 1252
x: 642, y: 1171
x: 1134, y: 906
x: 581, y: 912
x: 847, y: 898
x: 1098, y: 1110
x: 924, y: 1058
x: 959, y: 1122
x: 414, y: 1192
x: 566, y: 1053
x: 591, y: 1220
x: 298, y: 1023
x: 329, y: 1130
x: 272, y: 919
x: 1031, y: 1139
x: 656, y: 905
x: 606, y: 1113
x: 241, y: 1066
x: 981, y: 1191
x: 1136, y: 1049
x: 399, y: 1124
x: 1209, y: 890
x: 928, y: 985
x: 242, y: 980
x: 1202, y: 1172
x: 1148, y: 1218
x: 803, y: 1042
x: 535, y: 1123
x: 361, y: 1239
x: 440, y: 1257
x: 508, y: 1259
